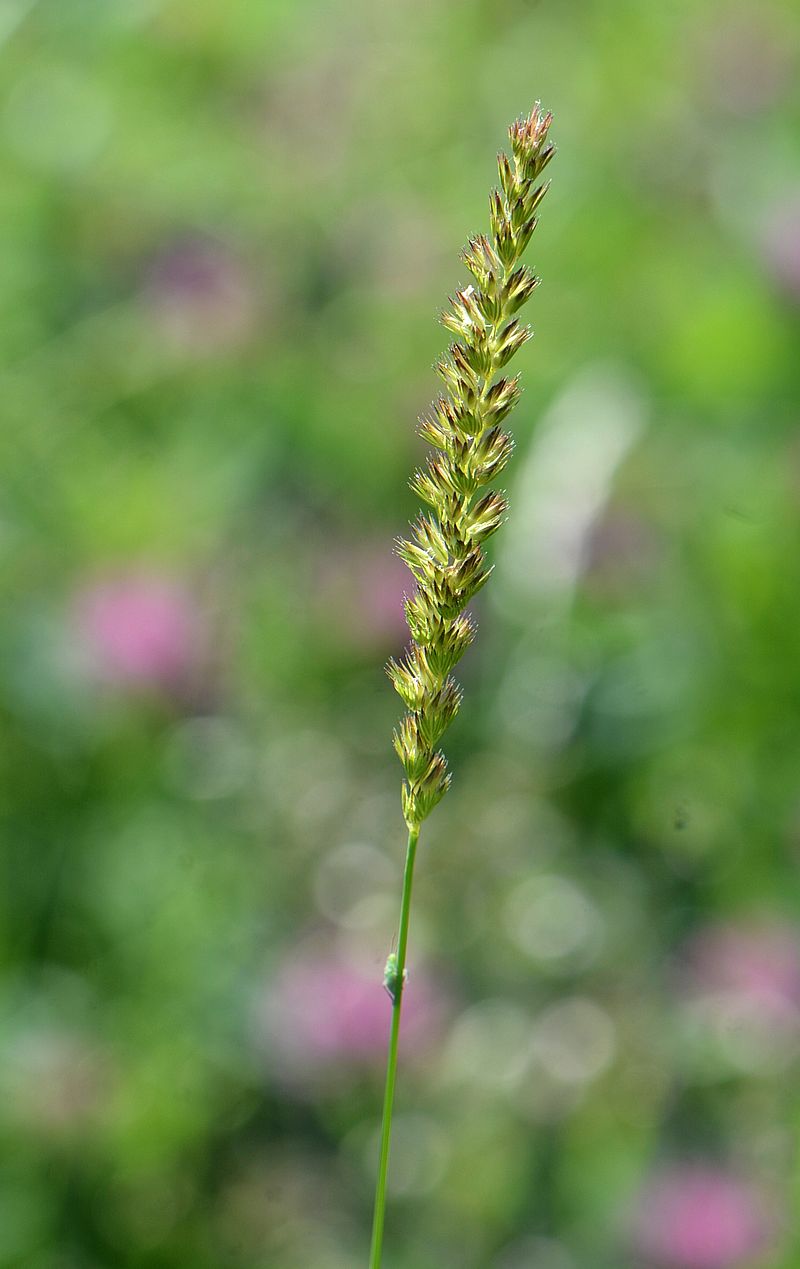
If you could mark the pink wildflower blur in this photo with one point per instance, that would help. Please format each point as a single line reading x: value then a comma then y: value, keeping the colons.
x: 137, y: 629
x: 200, y: 297
x: 55, y: 1082
x: 360, y: 592
x: 746, y: 60
x: 759, y: 962
x: 781, y: 245
x: 323, y: 1010
x: 740, y: 992
x: 700, y: 1217
x: 381, y: 583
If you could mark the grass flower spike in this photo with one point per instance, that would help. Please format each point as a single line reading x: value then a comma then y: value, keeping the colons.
x: 465, y: 427
x: 444, y: 553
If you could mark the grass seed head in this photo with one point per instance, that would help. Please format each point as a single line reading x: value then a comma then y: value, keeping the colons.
x: 445, y: 553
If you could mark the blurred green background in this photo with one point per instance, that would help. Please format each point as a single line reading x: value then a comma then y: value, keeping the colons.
x: 225, y: 231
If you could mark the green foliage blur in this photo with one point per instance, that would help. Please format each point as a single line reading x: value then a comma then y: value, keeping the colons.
x: 225, y: 231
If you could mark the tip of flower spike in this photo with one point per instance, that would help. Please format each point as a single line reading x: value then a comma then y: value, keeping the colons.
x: 528, y: 136
x: 531, y: 129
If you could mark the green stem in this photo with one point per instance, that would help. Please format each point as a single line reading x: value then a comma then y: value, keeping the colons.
x: 391, y: 1063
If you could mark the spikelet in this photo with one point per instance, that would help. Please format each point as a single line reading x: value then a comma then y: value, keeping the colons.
x: 463, y: 426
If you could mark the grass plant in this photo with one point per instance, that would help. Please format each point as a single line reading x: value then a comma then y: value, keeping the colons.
x: 445, y: 550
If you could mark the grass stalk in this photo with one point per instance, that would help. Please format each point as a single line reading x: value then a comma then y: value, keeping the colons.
x: 396, y: 977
